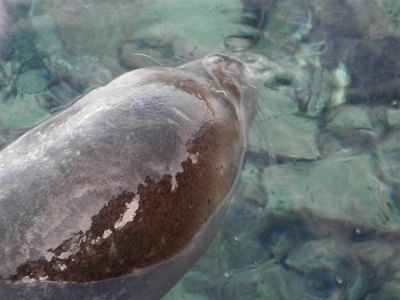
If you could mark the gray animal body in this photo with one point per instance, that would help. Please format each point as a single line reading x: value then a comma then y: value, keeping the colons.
x: 117, y: 196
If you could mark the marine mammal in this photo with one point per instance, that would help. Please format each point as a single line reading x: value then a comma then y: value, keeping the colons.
x: 119, y: 194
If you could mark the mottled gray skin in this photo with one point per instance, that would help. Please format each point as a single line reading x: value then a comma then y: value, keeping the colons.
x: 58, y: 175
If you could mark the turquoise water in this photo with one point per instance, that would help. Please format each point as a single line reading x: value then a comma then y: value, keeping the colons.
x: 316, y: 213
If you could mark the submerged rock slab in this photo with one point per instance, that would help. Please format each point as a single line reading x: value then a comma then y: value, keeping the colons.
x: 288, y: 137
x: 276, y: 131
x: 349, y: 117
x: 339, y: 188
x: 4, y: 25
x: 388, y: 152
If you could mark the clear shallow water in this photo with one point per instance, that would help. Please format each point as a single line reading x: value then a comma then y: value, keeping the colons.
x: 316, y: 215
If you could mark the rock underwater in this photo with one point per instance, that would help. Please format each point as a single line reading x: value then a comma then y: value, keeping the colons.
x: 4, y: 24
x: 118, y: 195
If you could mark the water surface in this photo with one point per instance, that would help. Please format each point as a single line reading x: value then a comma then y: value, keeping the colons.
x: 316, y: 214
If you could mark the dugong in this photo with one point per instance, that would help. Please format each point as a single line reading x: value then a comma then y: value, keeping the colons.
x: 118, y: 195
